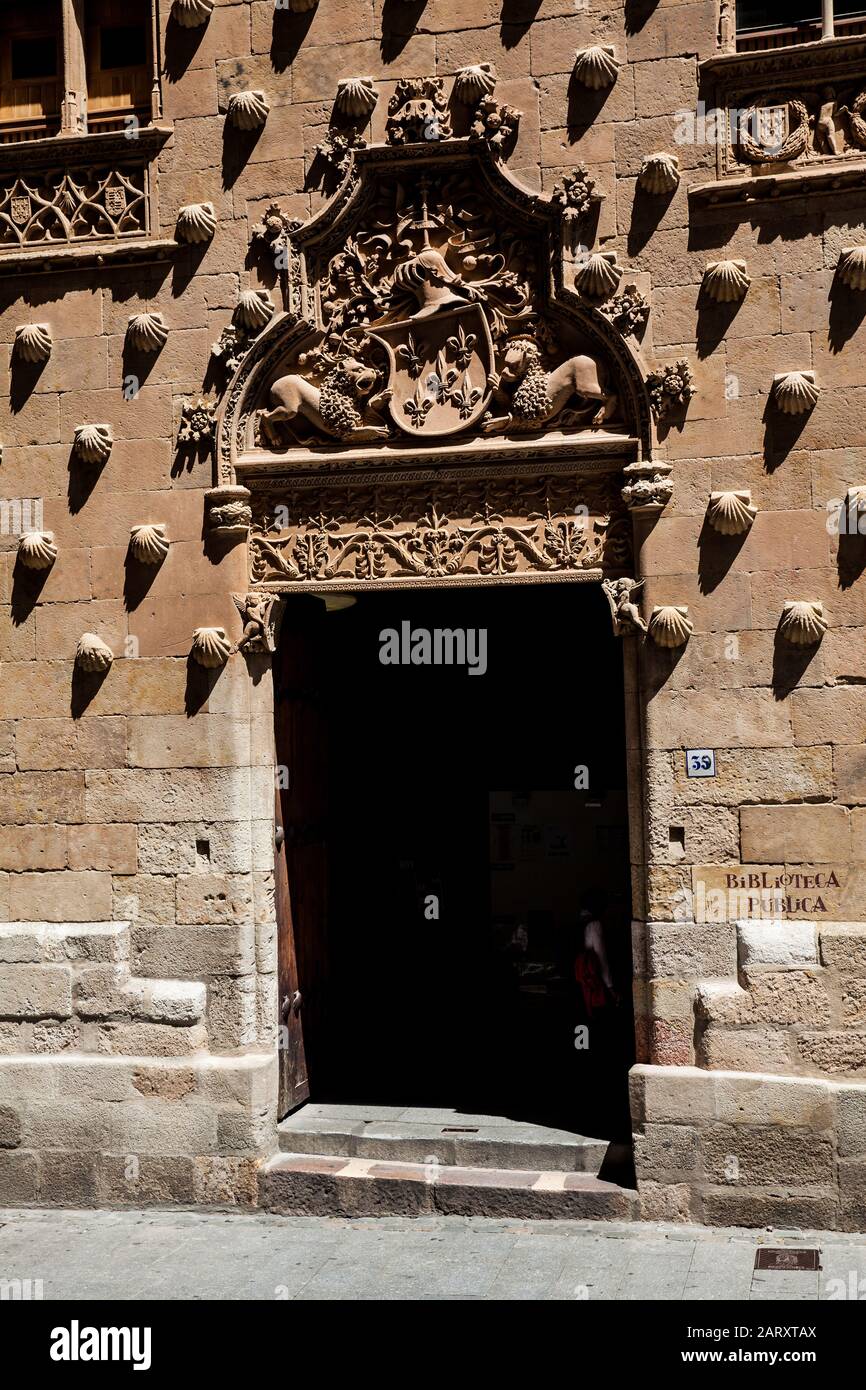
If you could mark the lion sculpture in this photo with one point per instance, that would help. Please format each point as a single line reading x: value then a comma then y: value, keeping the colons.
x: 540, y: 396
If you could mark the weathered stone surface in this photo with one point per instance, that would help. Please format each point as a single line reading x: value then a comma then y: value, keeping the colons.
x: 794, y: 834
x: 35, y: 991
x: 777, y: 943
x: 685, y: 952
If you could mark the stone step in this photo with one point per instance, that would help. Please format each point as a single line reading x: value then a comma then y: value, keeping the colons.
x: 471, y: 1141
x: 333, y: 1185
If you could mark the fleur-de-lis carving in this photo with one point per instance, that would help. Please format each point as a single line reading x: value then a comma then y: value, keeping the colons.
x: 465, y: 397
x: 412, y: 356
x: 418, y: 407
x: 461, y: 347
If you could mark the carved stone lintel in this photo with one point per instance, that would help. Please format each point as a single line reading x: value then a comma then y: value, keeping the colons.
x: 227, y: 511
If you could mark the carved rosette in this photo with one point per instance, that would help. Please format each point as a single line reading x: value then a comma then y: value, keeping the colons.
x: 228, y: 513
x: 671, y: 388
x: 576, y: 194
x: 197, y: 419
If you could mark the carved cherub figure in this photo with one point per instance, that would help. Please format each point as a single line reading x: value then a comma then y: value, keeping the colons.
x: 338, y: 408
x: 537, y: 396
x: 253, y: 609
x: 623, y: 609
x: 826, y: 139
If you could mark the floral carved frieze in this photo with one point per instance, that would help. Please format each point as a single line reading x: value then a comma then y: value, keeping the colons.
x: 473, y: 528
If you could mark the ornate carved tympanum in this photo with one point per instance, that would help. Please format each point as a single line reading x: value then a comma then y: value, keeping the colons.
x: 434, y: 402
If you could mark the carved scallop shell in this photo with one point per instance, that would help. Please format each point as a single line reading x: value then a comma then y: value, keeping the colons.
x: 36, y: 550
x: 852, y: 267
x: 596, y: 67
x: 599, y: 275
x: 148, y: 543
x: 356, y: 96
x: 254, y: 309
x: 33, y: 342
x: 726, y: 281
x: 731, y: 513
x: 196, y: 222
x: 92, y: 443
x: 210, y: 646
x: 795, y: 392
x: 670, y: 626
x: 147, y: 332
x: 247, y: 110
x: 92, y: 654
x: 802, y: 623
x: 659, y: 173
x: 473, y: 82
x: 191, y: 14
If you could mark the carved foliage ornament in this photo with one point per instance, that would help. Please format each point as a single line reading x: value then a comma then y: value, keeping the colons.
x: 197, y: 420
x: 576, y: 194
x: 671, y: 388
x: 418, y: 111
x: 497, y: 527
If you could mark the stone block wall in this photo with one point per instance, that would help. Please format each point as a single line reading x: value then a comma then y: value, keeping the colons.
x: 136, y: 809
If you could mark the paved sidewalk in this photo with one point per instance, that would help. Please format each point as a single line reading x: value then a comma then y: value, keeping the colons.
x: 191, y: 1255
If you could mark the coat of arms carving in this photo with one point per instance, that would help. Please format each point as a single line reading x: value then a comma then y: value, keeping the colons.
x: 431, y: 327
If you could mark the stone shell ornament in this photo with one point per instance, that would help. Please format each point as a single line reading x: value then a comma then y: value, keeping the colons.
x: 146, y: 332
x: 192, y: 14
x: 148, y: 543
x: 92, y: 443
x: 731, y: 513
x: 599, y: 275
x: 726, y: 281
x: 795, y: 393
x: 852, y: 267
x: 670, y: 626
x: 36, y: 550
x: 474, y: 82
x: 356, y: 96
x: 596, y: 67
x: 210, y: 647
x: 802, y: 623
x: 247, y: 110
x: 196, y: 223
x: 92, y: 654
x: 254, y: 309
x: 33, y: 342
x: 659, y: 173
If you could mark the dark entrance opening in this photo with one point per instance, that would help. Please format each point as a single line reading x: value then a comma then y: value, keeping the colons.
x: 444, y: 830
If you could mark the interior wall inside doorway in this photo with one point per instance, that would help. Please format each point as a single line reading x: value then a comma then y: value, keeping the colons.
x: 470, y: 816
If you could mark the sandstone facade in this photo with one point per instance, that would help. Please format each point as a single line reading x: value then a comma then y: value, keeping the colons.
x: 138, y: 961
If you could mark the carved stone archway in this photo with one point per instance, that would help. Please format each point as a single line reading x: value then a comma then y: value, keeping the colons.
x: 434, y: 403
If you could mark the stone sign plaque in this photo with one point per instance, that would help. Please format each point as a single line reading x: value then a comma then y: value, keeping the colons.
x: 737, y: 892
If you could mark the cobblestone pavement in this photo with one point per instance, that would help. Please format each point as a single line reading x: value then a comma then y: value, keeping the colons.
x: 194, y: 1255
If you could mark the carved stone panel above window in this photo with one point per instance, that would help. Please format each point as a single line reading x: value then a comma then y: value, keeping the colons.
x: 785, y: 122
x: 70, y: 195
